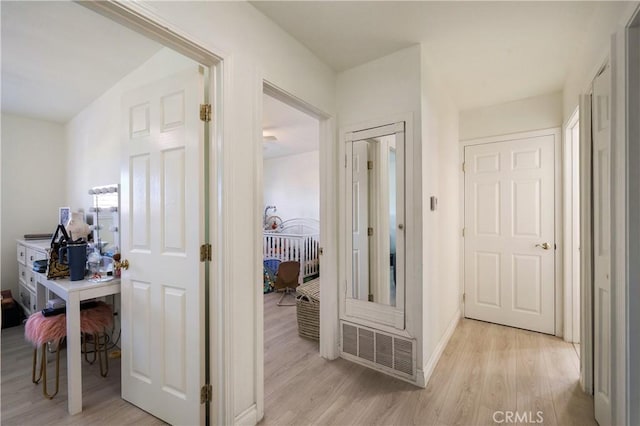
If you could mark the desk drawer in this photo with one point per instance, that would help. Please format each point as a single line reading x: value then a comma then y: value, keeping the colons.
x: 22, y: 254
x: 33, y: 255
x: 22, y: 274
x: 31, y: 280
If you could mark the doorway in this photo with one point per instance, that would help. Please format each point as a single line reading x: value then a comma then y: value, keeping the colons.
x: 290, y: 236
x: 510, y: 223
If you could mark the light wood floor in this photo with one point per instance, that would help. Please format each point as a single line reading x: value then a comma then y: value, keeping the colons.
x: 23, y: 403
x: 485, y: 368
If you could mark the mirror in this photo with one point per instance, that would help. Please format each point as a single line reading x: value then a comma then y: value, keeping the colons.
x: 375, y: 195
x: 106, y: 218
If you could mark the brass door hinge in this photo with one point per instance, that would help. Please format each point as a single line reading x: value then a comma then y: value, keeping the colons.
x: 205, y: 253
x: 369, y: 231
x: 369, y: 165
x: 206, y: 394
x: 205, y: 112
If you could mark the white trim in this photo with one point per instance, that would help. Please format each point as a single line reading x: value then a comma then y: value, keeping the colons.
x: 570, y: 170
x: 633, y: 221
x: 557, y: 143
x: 425, y: 374
x: 248, y: 417
x: 411, y: 316
x: 586, y: 248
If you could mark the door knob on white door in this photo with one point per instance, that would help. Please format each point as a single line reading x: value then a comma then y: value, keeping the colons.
x: 544, y: 246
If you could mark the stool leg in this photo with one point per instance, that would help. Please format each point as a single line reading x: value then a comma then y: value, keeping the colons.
x: 101, y: 346
x: 44, y: 375
x: 35, y: 364
x: 84, y: 349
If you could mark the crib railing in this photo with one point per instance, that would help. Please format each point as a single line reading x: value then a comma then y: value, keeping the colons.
x: 299, y: 247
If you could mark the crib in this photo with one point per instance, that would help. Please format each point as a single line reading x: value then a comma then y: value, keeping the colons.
x: 296, y: 239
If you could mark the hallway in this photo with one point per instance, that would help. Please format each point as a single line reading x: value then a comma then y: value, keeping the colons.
x: 486, y: 368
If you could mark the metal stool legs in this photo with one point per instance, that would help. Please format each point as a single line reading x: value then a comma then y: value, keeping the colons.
x: 43, y: 369
x: 99, y: 352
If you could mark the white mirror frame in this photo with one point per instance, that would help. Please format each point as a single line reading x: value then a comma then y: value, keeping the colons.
x: 392, y: 316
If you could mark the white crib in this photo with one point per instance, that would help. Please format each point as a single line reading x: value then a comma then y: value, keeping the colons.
x: 296, y: 239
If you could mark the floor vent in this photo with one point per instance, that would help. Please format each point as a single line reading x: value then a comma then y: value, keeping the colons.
x: 379, y: 350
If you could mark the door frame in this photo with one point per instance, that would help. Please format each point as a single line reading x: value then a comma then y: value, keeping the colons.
x: 625, y: 288
x: 328, y: 230
x: 557, y: 143
x: 571, y: 165
x: 218, y: 360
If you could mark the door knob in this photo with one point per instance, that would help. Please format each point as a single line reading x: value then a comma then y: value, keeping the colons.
x: 544, y: 246
x: 123, y: 265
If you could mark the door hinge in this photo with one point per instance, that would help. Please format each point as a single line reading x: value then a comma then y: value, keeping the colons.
x: 205, y: 253
x: 464, y: 296
x: 463, y: 232
x: 369, y: 231
x: 206, y: 394
x: 464, y: 168
x: 205, y: 112
x: 321, y: 251
x: 369, y: 165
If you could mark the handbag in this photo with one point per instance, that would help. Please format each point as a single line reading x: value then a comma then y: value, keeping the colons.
x: 55, y: 268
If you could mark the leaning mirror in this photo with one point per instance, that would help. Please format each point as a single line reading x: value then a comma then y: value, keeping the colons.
x: 106, y: 218
x: 375, y: 216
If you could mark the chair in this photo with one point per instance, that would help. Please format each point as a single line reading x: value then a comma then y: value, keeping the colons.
x: 287, y: 280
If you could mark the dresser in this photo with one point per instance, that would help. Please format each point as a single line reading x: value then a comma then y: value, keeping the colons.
x: 28, y: 293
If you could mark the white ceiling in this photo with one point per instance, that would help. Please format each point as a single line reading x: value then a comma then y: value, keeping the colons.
x: 486, y: 52
x: 57, y: 57
x: 295, y: 131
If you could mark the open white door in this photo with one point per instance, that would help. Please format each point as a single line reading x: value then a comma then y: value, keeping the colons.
x: 509, y: 244
x: 360, y: 194
x: 602, y: 247
x: 162, y: 230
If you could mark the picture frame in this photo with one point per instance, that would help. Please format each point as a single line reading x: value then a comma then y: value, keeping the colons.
x: 64, y: 214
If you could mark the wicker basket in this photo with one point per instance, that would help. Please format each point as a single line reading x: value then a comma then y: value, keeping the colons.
x: 308, y: 310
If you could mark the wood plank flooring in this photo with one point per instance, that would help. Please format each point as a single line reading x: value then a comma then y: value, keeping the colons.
x: 23, y: 403
x: 486, y: 368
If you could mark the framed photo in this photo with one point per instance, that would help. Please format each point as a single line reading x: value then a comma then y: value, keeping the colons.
x: 64, y: 215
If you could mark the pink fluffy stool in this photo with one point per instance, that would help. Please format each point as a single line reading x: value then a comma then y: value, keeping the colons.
x: 40, y: 330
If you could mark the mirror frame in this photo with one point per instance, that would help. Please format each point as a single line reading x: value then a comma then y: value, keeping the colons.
x: 100, y: 212
x: 392, y: 316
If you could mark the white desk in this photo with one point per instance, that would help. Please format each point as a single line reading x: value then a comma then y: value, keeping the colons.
x: 73, y: 292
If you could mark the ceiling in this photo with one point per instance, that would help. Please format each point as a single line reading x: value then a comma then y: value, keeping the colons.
x: 486, y: 52
x: 57, y: 57
x: 295, y: 131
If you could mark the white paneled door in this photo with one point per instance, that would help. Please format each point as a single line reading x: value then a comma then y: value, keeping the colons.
x: 509, y: 231
x: 162, y: 291
x: 602, y: 247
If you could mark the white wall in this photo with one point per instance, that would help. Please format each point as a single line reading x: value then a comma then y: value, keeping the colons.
x: 253, y: 48
x: 535, y: 113
x: 93, y: 136
x: 380, y: 92
x: 441, y: 230
x: 33, y: 185
x: 593, y: 51
x: 292, y: 184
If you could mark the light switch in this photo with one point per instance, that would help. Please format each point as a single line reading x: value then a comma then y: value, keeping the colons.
x: 434, y: 203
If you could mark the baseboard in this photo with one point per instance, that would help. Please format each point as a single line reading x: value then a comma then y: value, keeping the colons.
x: 425, y: 374
x: 248, y: 417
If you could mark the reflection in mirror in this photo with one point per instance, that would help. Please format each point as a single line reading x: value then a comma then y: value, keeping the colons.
x: 374, y: 222
x: 106, y: 218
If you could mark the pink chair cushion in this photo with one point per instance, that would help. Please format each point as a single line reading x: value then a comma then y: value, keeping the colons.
x: 40, y: 329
